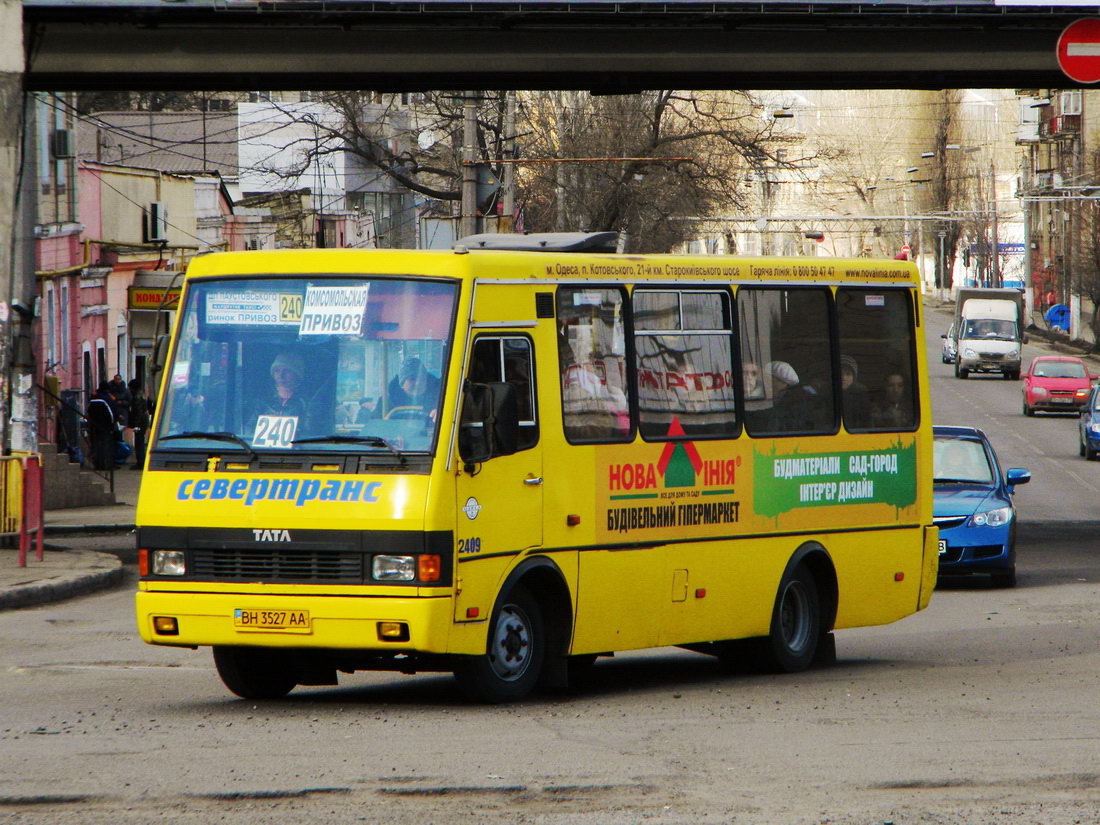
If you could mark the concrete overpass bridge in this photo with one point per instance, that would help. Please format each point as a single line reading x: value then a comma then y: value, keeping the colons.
x: 580, y: 44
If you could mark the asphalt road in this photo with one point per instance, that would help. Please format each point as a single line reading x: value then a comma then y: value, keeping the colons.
x: 1064, y: 486
x: 981, y: 709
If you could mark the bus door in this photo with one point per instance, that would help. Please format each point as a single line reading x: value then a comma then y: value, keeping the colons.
x: 499, y: 501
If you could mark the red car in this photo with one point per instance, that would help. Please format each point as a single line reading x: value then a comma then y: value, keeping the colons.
x: 1056, y: 383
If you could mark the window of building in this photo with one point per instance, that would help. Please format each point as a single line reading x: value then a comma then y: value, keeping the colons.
x: 51, y: 329
x: 786, y: 349
x: 683, y: 347
x: 101, y: 361
x: 121, y: 355
x: 592, y: 361
x: 63, y: 356
x: 87, y: 379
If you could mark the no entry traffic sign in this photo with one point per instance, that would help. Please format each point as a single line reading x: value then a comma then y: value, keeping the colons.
x: 1079, y: 50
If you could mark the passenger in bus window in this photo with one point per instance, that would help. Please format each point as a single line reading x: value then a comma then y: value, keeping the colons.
x: 752, y: 379
x: 345, y: 414
x: 414, y: 387
x: 197, y: 403
x: 786, y: 388
x: 793, y: 400
x: 856, y: 400
x: 895, y: 407
x: 363, y: 412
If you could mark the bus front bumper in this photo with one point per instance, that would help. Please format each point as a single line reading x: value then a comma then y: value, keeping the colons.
x: 331, y: 622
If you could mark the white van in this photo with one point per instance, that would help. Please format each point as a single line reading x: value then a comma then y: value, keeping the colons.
x: 988, y: 338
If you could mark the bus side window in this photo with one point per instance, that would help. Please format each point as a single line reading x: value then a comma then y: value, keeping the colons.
x: 786, y: 343
x: 592, y: 362
x: 875, y: 331
x: 508, y: 359
x: 684, y: 354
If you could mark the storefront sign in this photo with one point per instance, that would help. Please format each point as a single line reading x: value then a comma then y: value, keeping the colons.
x: 146, y: 297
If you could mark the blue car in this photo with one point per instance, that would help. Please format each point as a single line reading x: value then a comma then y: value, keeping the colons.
x: 1089, y: 426
x: 973, y: 506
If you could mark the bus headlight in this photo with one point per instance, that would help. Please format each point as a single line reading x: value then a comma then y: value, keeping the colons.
x: 393, y: 568
x: 169, y: 563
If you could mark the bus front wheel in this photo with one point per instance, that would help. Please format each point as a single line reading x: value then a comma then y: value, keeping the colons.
x: 796, y: 622
x: 514, y: 655
x: 255, y: 673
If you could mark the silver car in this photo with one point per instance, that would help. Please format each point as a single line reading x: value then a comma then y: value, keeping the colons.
x: 949, y: 345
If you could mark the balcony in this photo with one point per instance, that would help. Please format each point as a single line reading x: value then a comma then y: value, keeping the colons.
x: 1060, y: 127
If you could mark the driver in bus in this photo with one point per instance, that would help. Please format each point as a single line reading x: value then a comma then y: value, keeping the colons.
x: 414, y: 387
x: 285, y: 399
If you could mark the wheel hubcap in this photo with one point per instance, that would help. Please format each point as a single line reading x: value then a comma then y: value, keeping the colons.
x: 510, y: 653
x: 794, y: 617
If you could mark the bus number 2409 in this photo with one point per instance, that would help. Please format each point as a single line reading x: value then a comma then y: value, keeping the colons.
x: 469, y: 545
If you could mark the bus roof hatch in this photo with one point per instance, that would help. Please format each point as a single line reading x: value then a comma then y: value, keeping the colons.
x: 543, y: 242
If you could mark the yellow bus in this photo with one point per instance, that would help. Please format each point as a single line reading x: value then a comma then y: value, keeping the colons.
x: 510, y: 458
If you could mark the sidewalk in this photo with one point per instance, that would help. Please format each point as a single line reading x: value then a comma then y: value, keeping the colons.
x: 64, y: 573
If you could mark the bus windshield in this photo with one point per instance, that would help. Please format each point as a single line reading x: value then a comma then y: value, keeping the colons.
x: 318, y: 363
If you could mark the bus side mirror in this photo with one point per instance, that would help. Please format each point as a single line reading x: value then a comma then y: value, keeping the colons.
x: 489, y: 423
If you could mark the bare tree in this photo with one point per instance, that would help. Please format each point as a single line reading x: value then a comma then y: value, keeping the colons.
x: 950, y: 189
x: 415, y: 141
x: 565, y: 178
x: 682, y: 154
x: 637, y: 164
x: 858, y: 134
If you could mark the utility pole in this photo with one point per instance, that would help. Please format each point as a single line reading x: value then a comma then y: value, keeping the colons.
x: 942, y: 235
x: 508, y: 179
x: 22, y: 394
x: 468, y: 220
x: 995, y: 252
x: 559, y: 169
x: 11, y: 123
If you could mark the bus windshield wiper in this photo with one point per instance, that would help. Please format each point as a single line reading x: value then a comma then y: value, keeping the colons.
x: 337, y: 438
x: 232, y: 438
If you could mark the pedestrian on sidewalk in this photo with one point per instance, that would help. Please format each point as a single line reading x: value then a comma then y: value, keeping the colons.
x: 140, y: 419
x: 121, y: 393
x: 102, y: 428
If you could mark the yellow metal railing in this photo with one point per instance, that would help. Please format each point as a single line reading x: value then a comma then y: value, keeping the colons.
x: 21, y: 501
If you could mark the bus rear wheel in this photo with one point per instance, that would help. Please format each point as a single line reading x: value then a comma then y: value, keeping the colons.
x: 796, y: 623
x: 514, y: 655
x: 255, y: 673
